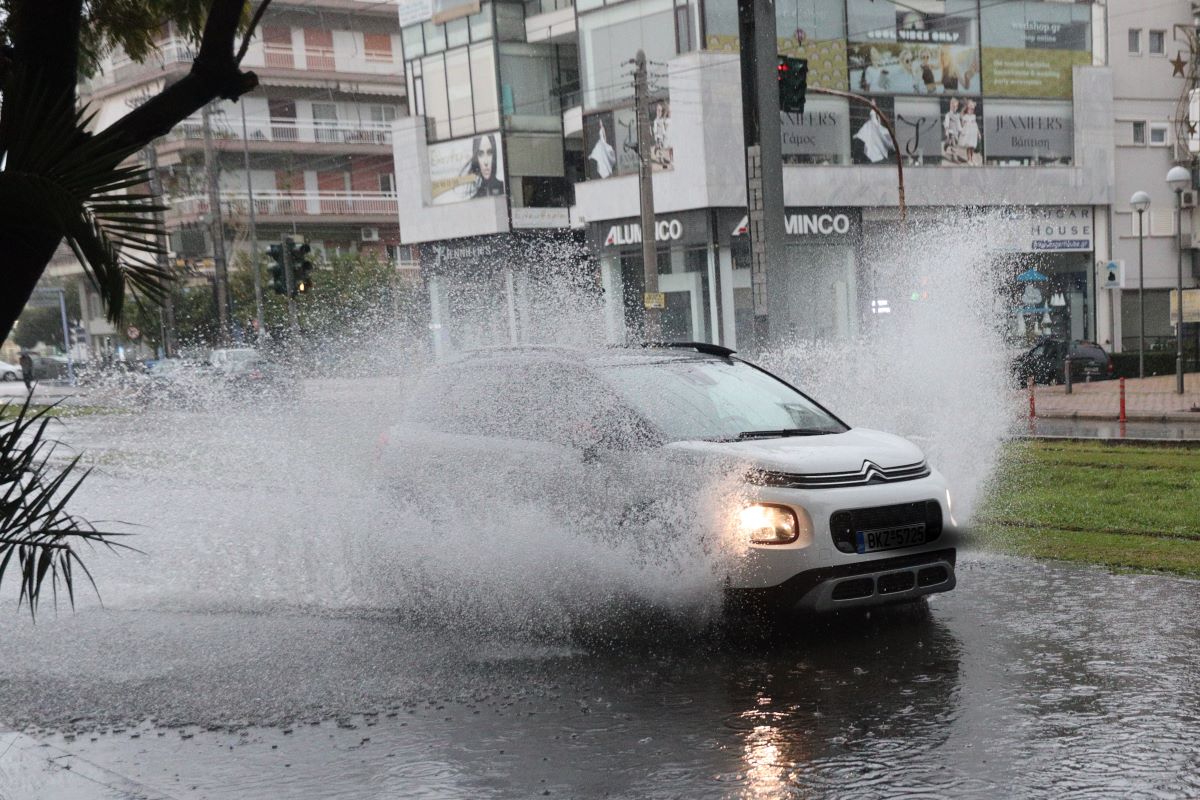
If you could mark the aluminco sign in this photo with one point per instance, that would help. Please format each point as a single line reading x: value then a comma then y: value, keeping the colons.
x: 804, y: 224
x: 667, y: 230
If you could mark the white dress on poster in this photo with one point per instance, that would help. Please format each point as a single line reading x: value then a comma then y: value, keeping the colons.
x: 603, y: 153
x: 875, y: 138
x: 969, y: 137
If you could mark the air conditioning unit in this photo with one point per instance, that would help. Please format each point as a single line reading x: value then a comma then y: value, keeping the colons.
x: 1187, y: 198
x: 370, y: 234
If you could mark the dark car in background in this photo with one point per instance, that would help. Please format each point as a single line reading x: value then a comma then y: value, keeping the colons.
x: 1046, y: 362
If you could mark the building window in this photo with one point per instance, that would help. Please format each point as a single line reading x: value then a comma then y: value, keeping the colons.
x: 1139, y: 133
x: 1158, y: 43
x: 1158, y: 133
x: 683, y: 29
x: 1135, y: 41
x: 387, y: 183
x: 378, y: 47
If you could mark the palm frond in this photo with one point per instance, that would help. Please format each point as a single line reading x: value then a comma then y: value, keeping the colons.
x: 39, y: 538
x: 63, y: 178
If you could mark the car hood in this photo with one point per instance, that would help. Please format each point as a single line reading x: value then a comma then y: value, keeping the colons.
x: 841, y: 452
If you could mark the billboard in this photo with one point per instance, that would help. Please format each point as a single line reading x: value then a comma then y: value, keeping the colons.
x: 922, y: 47
x: 1029, y: 132
x: 413, y: 11
x: 610, y: 141
x: 1030, y: 48
x: 466, y: 169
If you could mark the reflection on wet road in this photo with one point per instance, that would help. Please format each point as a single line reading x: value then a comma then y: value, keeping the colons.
x: 1029, y: 680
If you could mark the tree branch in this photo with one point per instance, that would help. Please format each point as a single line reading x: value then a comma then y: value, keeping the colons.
x: 214, y: 74
x: 258, y: 15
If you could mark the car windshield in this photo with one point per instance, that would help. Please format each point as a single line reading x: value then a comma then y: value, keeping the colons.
x: 721, y: 400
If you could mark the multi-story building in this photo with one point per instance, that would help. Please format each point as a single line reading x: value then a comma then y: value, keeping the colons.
x: 312, y: 144
x: 1154, y: 77
x: 999, y: 107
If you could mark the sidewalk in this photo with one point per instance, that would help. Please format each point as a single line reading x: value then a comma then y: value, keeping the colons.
x: 1146, y: 399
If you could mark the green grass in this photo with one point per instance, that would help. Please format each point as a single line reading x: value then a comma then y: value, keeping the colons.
x: 1124, y: 506
x: 60, y: 411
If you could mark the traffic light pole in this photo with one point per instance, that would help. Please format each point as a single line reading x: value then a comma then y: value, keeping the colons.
x: 255, y: 256
x: 764, y: 151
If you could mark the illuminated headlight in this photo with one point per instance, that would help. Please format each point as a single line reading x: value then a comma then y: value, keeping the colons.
x: 768, y: 524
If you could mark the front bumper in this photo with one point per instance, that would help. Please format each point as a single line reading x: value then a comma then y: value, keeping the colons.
x: 862, y: 584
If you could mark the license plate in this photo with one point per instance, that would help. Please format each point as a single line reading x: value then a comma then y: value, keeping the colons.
x: 889, y: 538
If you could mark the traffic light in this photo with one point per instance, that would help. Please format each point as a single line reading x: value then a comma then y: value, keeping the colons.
x: 793, y: 84
x: 302, y: 268
x: 277, y: 269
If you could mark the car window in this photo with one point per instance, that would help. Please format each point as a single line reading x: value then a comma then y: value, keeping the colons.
x: 541, y: 401
x: 710, y: 399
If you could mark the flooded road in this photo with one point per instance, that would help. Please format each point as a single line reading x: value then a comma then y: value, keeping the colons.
x: 1027, y: 681
x: 244, y: 656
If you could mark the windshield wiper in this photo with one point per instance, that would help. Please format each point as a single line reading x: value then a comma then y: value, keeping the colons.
x: 778, y: 434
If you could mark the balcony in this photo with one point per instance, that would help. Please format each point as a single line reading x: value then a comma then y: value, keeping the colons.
x: 262, y: 132
x: 301, y: 207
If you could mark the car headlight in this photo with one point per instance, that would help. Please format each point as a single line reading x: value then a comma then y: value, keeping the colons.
x: 769, y: 524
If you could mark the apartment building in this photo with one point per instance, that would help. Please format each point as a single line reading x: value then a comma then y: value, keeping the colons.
x: 312, y: 145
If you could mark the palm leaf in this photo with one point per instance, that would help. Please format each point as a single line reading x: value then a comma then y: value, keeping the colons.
x: 38, y: 537
x: 59, y: 177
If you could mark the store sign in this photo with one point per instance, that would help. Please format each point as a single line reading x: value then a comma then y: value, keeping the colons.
x: 807, y: 224
x: 1026, y: 130
x: 1112, y: 274
x: 1048, y: 229
x: 667, y: 230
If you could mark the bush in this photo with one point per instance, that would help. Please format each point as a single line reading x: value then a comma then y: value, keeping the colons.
x: 1125, y: 365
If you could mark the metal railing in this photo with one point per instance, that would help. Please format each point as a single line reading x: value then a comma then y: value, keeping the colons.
x: 341, y: 132
x: 292, y: 204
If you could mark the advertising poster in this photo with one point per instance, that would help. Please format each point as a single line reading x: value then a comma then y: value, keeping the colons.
x: 871, y: 143
x: 818, y: 136
x: 918, y: 122
x: 962, y: 134
x: 1025, y: 132
x: 812, y: 29
x: 610, y: 141
x: 923, y: 47
x: 466, y: 169
x: 1029, y: 48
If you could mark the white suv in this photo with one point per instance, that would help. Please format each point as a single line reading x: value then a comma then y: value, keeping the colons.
x: 824, y: 516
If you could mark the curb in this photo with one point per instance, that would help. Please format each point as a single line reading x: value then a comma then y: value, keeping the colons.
x: 1166, y: 416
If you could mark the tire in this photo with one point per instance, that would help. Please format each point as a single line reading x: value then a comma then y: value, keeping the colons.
x: 10, y: 376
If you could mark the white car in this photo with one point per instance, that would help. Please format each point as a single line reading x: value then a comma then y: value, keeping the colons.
x: 9, y: 372
x: 818, y: 516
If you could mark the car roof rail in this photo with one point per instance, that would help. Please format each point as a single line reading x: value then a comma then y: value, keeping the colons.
x: 700, y: 347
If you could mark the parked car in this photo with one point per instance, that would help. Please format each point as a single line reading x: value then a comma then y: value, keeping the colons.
x: 1046, y: 362
x: 248, y: 373
x: 9, y: 372
x: 826, y: 517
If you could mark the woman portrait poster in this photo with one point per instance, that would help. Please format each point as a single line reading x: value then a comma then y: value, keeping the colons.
x: 485, y: 165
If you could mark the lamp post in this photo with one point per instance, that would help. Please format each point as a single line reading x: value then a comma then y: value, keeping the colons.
x: 1140, y: 202
x: 1179, y: 178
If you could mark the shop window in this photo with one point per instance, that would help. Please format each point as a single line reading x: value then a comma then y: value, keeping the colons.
x: 1139, y: 132
x: 413, y: 41
x: 1158, y: 133
x: 683, y: 29
x: 1158, y: 43
x: 1135, y: 41
x: 527, y: 80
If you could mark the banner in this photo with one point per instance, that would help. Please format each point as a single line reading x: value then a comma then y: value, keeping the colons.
x: 1029, y: 132
x: 465, y: 169
x: 923, y: 47
x: 820, y: 135
x: 610, y: 141
x: 1030, y: 48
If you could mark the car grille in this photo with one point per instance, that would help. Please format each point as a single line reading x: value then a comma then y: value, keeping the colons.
x: 844, y: 524
x: 866, y: 474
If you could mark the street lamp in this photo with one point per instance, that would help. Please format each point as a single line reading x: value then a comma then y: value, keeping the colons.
x: 1179, y: 178
x: 1140, y: 202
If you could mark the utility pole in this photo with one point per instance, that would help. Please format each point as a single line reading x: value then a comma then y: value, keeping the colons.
x: 167, y: 312
x: 216, y: 228
x: 255, y: 266
x: 651, y: 298
x: 764, y: 150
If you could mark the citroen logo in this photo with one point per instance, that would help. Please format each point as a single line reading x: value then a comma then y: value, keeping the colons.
x: 872, y: 473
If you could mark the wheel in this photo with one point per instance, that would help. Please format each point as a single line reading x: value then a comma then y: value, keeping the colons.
x: 10, y: 376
